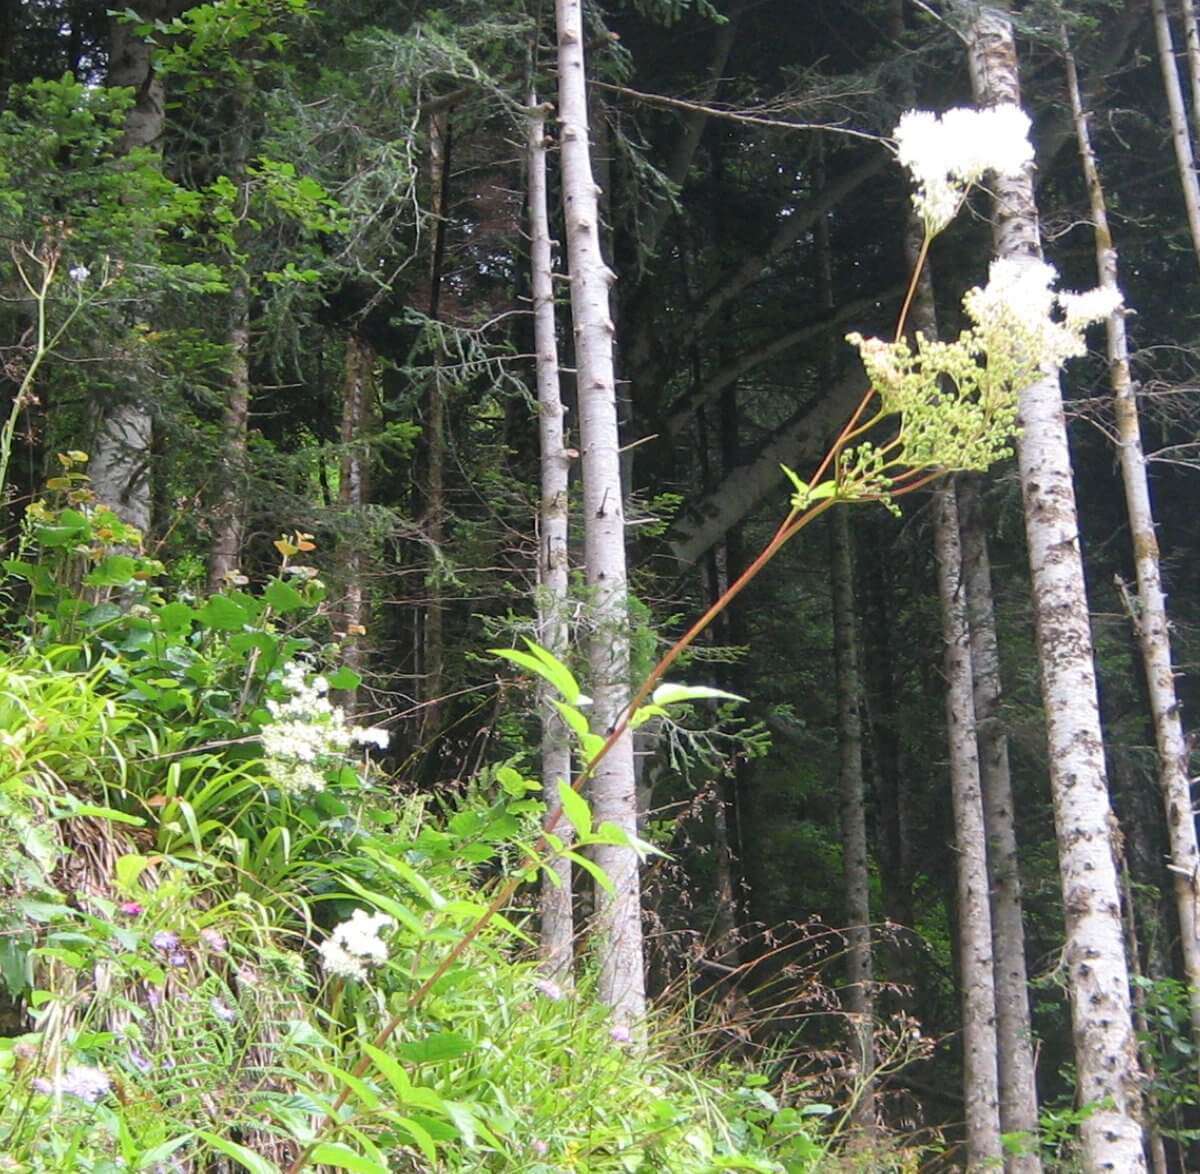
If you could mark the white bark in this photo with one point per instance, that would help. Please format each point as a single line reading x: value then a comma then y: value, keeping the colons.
x: 613, y: 790
x: 1153, y: 627
x: 1180, y: 135
x: 1014, y: 1033
x: 558, y: 930
x: 1094, y: 954
x: 981, y: 1090
x: 1191, y: 36
x: 856, y: 874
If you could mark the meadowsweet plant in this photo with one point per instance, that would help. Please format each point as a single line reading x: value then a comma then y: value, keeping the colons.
x: 355, y: 946
x: 948, y: 154
x: 309, y: 736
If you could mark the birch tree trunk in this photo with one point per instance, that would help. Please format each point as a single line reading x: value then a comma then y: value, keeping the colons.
x: 973, y: 918
x: 1094, y: 954
x: 1180, y: 135
x: 558, y: 929
x: 1191, y: 36
x: 613, y: 790
x: 856, y: 878
x: 1014, y: 1032
x: 120, y: 451
x: 981, y: 1090
x: 1151, y: 623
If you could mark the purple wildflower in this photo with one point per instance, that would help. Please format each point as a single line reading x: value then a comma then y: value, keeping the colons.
x: 539, y: 1147
x: 214, y: 940
x: 620, y: 1034
x: 165, y: 940
x: 130, y: 909
x: 549, y: 988
x: 177, y: 958
x: 223, y: 1011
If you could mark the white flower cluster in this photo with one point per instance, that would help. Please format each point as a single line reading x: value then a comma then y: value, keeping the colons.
x: 309, y: 734
x: 81, y: 1081
x: 1018, y: 303
x: 354, y: 945
x: 947, y: 155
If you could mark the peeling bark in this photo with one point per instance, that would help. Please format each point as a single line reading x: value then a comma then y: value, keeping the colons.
x: 613, y: 788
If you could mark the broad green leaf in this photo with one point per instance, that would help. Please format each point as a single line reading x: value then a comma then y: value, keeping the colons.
x: 390, y: 1067
x: 561, y: 677
x: 575, y: 808
x: 344, y: 678
x: 592, y: 869
x: 576, y: 722
x: 78, y: 809
x: 115, y: 570
x: 592, y: 745
x: 175, y: 618
x: 223, y: 614
x: 102, y: 613
x: 358, y: 1086
x: 557, y: 675
x: 434, y: 1049
x: 644, y: 713
x: 667, y: 694
x: 333, y: 1153
x: 420, y: 1135
x: 253, y: 1162
x: 283, y: 597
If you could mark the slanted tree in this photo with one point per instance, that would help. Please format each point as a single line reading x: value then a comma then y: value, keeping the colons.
x: 1151, y: 622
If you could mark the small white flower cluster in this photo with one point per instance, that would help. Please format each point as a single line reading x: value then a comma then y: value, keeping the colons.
x: 81, y: 1081
x: 354, y: 945
x: 1018, y: 303
x: 309, y: 734
x: 947, y: 155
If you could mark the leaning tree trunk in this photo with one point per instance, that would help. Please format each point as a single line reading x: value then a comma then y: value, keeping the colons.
x: 558, y: 929
x: 1153, y: 628
x: 852, y: 804
x: 1014, y: 1032
x: 1094, y: 955
x: 120, y: 464
x: 1191, y: 36
x: 1180, y: 135
x: 613, y: 788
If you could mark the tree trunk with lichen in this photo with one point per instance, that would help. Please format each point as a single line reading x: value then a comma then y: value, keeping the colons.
x: 1151, y: 623
x: 613, y: 788
x: 1094, y: 953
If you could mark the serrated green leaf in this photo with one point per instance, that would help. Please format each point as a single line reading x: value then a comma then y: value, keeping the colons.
x: 576, y: 722
x: 283, y: 597
x: 435, y: 1049
x: 556, y: 674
